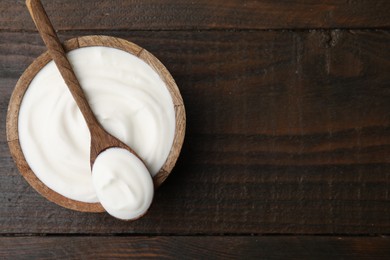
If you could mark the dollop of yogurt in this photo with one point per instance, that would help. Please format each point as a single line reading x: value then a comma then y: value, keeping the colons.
x: 122, y: 183
x: 129, y: 99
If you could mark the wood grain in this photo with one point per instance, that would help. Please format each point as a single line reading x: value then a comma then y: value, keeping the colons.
x: 201, y: 14
x: 183, y: 247
x: 288, y: 132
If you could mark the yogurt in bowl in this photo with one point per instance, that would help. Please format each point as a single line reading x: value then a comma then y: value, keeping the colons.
x: 133, y: 96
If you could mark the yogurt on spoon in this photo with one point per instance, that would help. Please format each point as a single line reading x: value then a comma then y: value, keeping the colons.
x: 122, y: 183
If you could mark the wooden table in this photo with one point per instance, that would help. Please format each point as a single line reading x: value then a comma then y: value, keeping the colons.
x: 287, y: 152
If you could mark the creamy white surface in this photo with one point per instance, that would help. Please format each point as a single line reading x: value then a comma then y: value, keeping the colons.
x: 123, y: 184
x: 128, y: 98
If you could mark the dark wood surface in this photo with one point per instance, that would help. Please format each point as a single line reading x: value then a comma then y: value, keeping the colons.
x: 198, y: 247
x: 201, y: 14
x: 288, y: 130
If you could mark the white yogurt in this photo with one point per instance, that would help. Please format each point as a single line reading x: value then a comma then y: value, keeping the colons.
x: 123, y: 184
x: 128, y: 98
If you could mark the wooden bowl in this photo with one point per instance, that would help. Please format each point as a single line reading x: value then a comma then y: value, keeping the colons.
x: 24, y: 82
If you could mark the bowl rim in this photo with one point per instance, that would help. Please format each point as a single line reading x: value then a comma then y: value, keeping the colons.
x: 72, y: 44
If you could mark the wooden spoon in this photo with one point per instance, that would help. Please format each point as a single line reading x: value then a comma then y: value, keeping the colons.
x: 100, y: 138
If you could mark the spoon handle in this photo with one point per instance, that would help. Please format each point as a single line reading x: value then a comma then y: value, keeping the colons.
x: 58, y: 54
